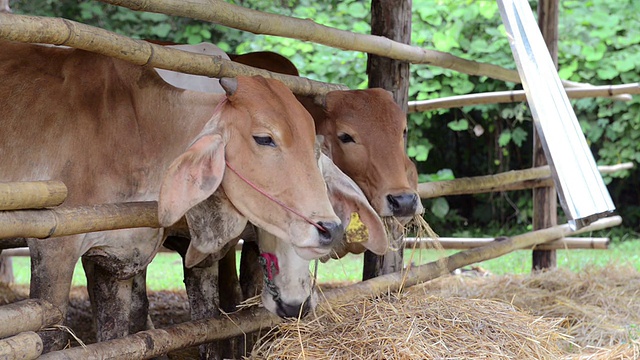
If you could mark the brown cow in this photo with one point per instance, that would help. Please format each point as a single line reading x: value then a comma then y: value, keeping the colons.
x: 365, y: 132
x: 113, y: 131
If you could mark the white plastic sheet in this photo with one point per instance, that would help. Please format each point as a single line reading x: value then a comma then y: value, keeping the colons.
x: 581, y: 190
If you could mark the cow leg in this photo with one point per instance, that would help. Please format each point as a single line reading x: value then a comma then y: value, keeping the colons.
x: 230, y: 297
x: 250, y: 279
x: 250, y: 270
x: 201, y: 282
x: 140, y: 319
x: 110, y: 301
x: 6, y: 269
x: 52, y: 265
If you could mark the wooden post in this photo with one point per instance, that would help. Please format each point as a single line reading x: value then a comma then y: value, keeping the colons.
x: 545, y: 201
x: 391, y: 19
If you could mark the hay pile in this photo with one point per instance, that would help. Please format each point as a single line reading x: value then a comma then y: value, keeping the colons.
x: 600, y: 307
x: 416, y: 326
x: 551, y: 315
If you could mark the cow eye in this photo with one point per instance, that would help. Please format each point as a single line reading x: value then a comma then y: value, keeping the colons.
x: 346, y: 138
x: 264, y: 141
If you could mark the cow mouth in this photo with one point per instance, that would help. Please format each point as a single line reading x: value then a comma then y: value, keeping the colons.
x: 311, y: 252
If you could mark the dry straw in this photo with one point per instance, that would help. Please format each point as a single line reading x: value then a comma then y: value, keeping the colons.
x: 555, y: 314
x: 416, y: 326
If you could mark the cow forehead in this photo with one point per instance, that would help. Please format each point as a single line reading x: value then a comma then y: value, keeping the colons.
x: 370, y: 112
x: 273, y: 106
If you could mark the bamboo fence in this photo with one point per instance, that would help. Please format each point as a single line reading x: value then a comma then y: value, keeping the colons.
x: 518, y: 95
x: 31, y: 195
x: 27, y: 315
x: 23, y: 346
x: 43, y: 224
x: 57, y: 31
x: 152, y: 343
x: 449, y: 243
x: 510, y: 180
x: 238, y: 17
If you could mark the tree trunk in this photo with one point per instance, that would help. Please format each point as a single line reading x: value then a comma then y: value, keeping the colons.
x: 391, y: 19
x: 545, y: 201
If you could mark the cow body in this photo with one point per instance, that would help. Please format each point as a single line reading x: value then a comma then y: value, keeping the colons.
x: 116, y: 132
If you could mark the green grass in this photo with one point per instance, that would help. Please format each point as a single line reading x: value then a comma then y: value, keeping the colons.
x: 165, y: 272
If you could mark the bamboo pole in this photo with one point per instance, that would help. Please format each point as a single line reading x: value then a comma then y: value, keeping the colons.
x: 24, y: 346
x: 150, y: 343
x: 448, y: 243
x: 510, y: 180
x: 432, y: 270
x: 57, y: 31
x: 31, y: 194
x: 78, y: 220
x: 499, y: 97
x: 238, y: 17
x: 12, y: 243
x: 27, y: 315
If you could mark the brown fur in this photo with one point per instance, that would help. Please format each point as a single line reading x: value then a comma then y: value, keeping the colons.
x: 110, y: 130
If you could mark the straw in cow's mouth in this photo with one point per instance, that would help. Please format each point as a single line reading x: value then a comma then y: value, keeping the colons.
x: 396, y: 231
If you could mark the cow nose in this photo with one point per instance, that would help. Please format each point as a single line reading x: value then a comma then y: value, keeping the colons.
x: 332, y: 232
x: 403, y: 204
x: 285, y: 310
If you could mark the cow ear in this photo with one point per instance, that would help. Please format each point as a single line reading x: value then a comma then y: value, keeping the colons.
x: 347, y: 198
x: 213, y: 225
x: 191, y: 178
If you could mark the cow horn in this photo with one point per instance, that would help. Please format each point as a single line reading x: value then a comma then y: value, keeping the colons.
x: 320, y: 100
x: 230, y: 85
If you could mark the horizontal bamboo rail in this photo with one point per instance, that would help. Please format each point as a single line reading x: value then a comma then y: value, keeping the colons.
x: 450, y: 243
x: 12, y: 243
x: 510, y: 180
x: 57, y: 31
x: 447, y: 243
x: 43, y: 224
x: 31, y: 194
x: 151, y: 343
x: 27, y: 315
x: 24, y: 346
x: 500, y: 97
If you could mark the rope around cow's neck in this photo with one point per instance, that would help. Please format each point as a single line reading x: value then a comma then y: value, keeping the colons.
x: 268, y: 196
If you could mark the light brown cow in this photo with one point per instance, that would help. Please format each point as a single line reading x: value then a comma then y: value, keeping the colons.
x: 365, y: 133
x: 115, y: 132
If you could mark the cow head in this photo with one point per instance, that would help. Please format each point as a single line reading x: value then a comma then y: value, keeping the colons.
x: 288, y: 289
x: 267, y: 138
x: 365, y: 131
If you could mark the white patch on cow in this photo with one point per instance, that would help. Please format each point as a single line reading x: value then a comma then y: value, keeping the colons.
x: 195, y: 82
x: 293, y: 280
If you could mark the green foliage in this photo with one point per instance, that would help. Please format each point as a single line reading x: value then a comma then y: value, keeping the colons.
x: 599, y: 43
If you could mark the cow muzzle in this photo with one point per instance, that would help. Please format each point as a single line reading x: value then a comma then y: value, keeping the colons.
x: 285, y: 310
x: 404, y: 204
x: 331, y: 233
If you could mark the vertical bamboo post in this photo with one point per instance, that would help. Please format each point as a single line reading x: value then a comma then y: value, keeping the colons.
x: 391, y: 19
x: 545, y: 201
